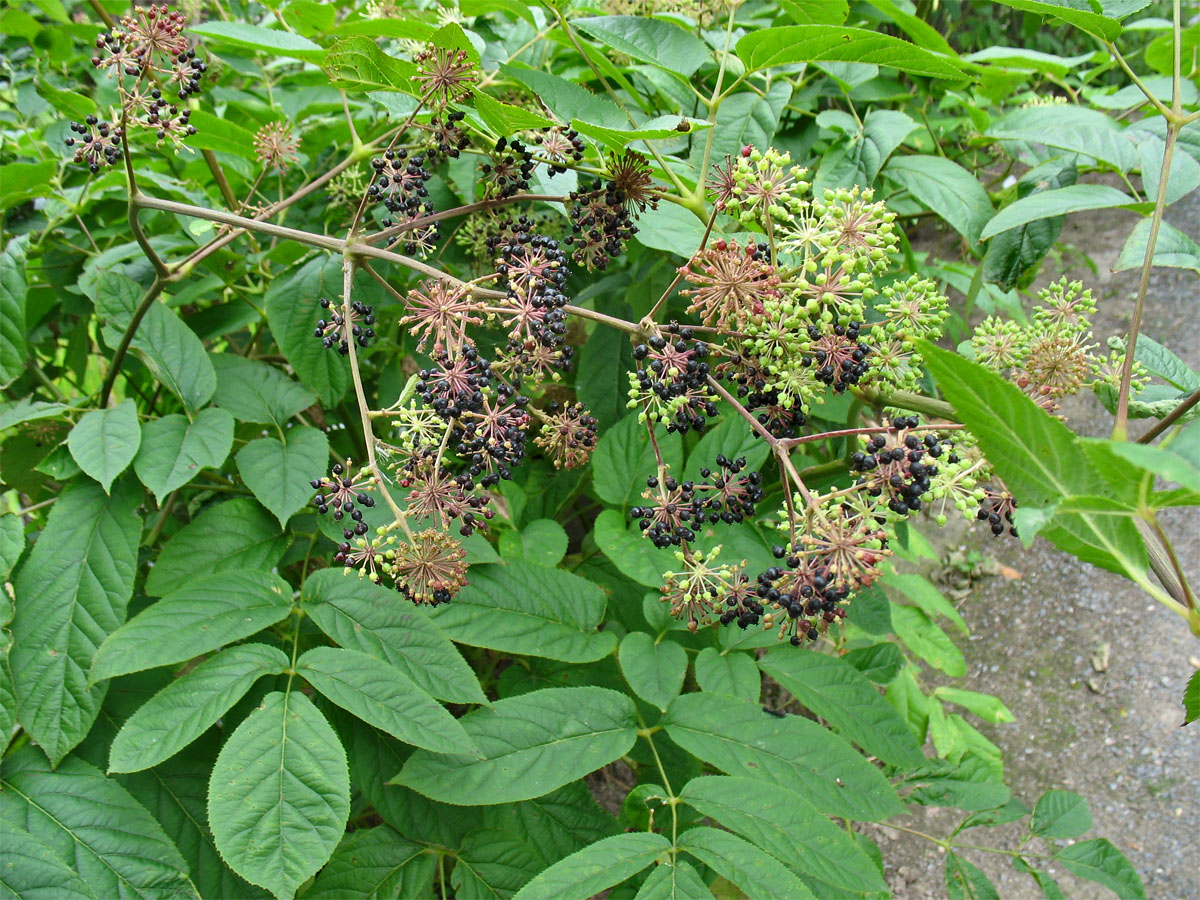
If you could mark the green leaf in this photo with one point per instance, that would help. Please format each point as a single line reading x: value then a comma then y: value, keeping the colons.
x: 624, y: 458
x: 1165, y: 462
x: 92, y: 826
x: 1039, y: 459
x: 1173, y: 249
x: 653, y: 41
x: 1182, y: 179
x: 858, y: 161
x: 104, y: 442
x: 839, y: 693
x: 653, y: 669
x: 969, y: 784
x: 1077, y: 129
x: 221, y: 135
x: 836, y: 43
x: 924, y: 638
x: 279, y: 795
x: 374, y: 758
x: 1056, y: 202
x: 173, y: 449
x: 566, y: 99
x: 660, y: 128
x: 292, y: 314
x: 505, y: 119
x: 167, y: 347
x: 178, y: 795
x: 25, y: 410
x: 525, y: 608
x: 948, y: 189
x: 924, y: 594
x: 12, y: 545
x: 601, y: 378
x: 597, y: 867
x: 1099, y: 861
x: 672, y: 229
x: 787, y: 826
x: 678, y: 881
x: 987, y: 707
x: 12, y: 309
x: 1049, y: 887
x: 530, y: 744
x: 207, y: 614
x: 1191, y: 699
x: 732, y: 673
x: 256, y: 37
x: 739, y: 738
x: 363, y: 616
x: 384, y: 697
x: 74, y: 587
x: 24, y: 181
x: 543, y: 541
x: 32, y: 870
x: 629, y: 550
x: 375, y: 862
x: 1011, y: 254
x: 964, y: 880
x: 756, y: 874
x: 186, y: 707
x: 234, y: 535
x: 880, y: 663
x: 279, y: 474
x: 256, y: 392
x: 816, y: 12
x: 357, y: 63
x: 1088, y: 19
x: 1061, y: 814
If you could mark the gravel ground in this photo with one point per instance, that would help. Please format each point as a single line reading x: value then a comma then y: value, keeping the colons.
x: 1112, y: 736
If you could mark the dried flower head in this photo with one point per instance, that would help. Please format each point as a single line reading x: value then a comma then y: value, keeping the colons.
x: 430, y: 569
x: 275, y: 146
x: 445, y: 74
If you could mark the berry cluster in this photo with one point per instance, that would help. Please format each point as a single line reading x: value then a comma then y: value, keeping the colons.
x: 670, y: 384
x: 399, y: 184
x: 99, y: 144
x: 568, y: 436
x: 334, y: 331
x: 898, y: 465
x: 509, y: 170
x: 341, y: 492
x: 603, y: 214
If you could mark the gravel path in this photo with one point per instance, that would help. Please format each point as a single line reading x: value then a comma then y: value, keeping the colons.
x: 1117, y: 740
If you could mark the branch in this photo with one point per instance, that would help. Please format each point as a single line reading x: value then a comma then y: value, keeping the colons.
x: 1174, y: 416
x: 119, y: 354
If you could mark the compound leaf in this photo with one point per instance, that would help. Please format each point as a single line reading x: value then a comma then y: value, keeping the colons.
x: 741, y: 739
